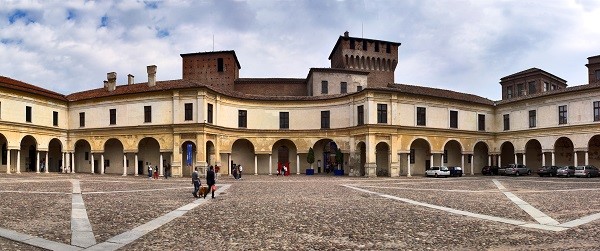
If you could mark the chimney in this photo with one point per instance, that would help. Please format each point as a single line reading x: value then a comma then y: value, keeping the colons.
x: 346, y: 34
x: 151, y: 75
x: 130, y: 79
x: 112, y: 81
x: 105, y: 84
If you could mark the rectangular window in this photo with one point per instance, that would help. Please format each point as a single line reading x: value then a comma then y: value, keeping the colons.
x: 364, y: 45
x: 343, y: 87
x: 445, y: 156
x: 113, y: 116
x: 453, y: 119
x: 284, y: 120
x: 82, y: 119
x: 360, y: 114
x: 242, y: 118
x: 532, y: 118
x: 189, y: 111
x: 509, y: 91
x: 376, y: 47
x: 324, y: 119
x: 562, y: 114
x: 532, y: 88
x: 220, y: 64
x: 352, y: 44
x: 381, y: 113
x: 209, y: 113
x: 55, y: 118
x: 481, y: 122
x: 359, y: 88
x: 421, y: 116
x: 147, y: 114
x: 412, y: 156
x: 27, y: 113
x: 520, y: 89
x: 596, y: 110
x: 388, y: 48
x: 324, y: 87
x: 553, y: 87
x: 506, y: 122
x: 546, y: 86
x: 597, y: 74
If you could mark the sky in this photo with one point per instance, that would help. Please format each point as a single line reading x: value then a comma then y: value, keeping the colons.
x: 460, y: 45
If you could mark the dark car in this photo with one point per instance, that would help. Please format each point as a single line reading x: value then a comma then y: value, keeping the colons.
x: 489, y: 170
x: 455, y: 171
x: 566, y: 171
x: 547, y: 171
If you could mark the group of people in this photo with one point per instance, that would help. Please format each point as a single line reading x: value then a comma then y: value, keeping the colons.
x: 210, y: 182
x: 283, y: 171
x: 153, y: 172
x: 236, y: 171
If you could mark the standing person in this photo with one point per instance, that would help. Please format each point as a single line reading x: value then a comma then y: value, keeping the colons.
x: 196, y: 182
x: 234, y: 172
x: 210, y: 181
x: 240, y: 171
x: 155, y: 172
x: 167, y: 170
x: 149, y: 171
x: 284, y: 170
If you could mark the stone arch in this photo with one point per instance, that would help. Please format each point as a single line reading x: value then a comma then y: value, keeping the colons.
x: 325, y: 150
x: 481, y: 152
x: 211, y: 157
x: 563, y: 152
x: 346, y: 58
x: 284, y: 152
x: 389, y: 65
x: 4, y: 157
x: 81, y: 157
x: 594, y: 151
x: 382, y: 159
x: 507, y: 153
x: 55, y: 155
x: 242, y: 153
x: 188, y: 158
x: 533, y: 155
x: 362, y: 62
x: 452, y: 153
x: 420, y: 151
x: 378, y: 64
x: 113, y: 157
x: 29, y: 154
x: 148, y: 150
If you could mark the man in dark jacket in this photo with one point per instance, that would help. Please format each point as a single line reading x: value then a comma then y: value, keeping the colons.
x: 196, y: 182
x: 210, y: 181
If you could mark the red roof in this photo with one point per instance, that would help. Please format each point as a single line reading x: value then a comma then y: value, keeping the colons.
x: 22, y: 86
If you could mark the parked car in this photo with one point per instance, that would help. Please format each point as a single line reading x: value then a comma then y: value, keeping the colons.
x: 547, y: 171
x: 455, y: 171
x: 438, y: 171
x: 586, y: 171
x: 517, y: 169
x: 489, y: 170
x: 566, y: 171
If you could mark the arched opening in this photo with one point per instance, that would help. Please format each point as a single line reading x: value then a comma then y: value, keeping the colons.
x: 480, y: 156
x: 452, y: 154
x: 382, y: 159
x: 28, y: 154
x: 210, y: 153
x: 113, y: 157
x: 325, y: 154
x: 4, y: 164
x: 594, y: 151
x: 82, y: 156
x: 507, y: 154
x: 419, y: 156
x: 242, y: 153
x: 188, y: 157
x: 362, y: 149
x: 284, y: 153
x: 148, y: 155
x: 533, y: 155
x: 563, y: 152
x: 55, y: 156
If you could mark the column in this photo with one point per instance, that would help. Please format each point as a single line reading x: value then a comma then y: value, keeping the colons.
x: 135, y: 164
x: 37, y: 162
x: 525, y: 158
x: 93, y: 166
x: 255, y: 164
x: 553, y: 160
x: 575, y: 158
x: 586, y: 158
x: 229, y: 164
x: 64, y: 168
x: 8, y: 161
x: 46, y: 167
x: 462, y: 162
x: 72, y: 169
x: 160, y: 165
x: 472, y: 160
x: 430, y: 157
x: 297, y: 163
x: 270, y: 163
x: 408, y: 174
x: 124, y: 164
x: 499, y: 160
x: 543, y: 158
x: 516, y: 160
x: 102, y: 163
x: 489, y: 160
x: 18, y: 161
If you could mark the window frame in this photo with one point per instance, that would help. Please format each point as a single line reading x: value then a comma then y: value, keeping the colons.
x: 82, y: 119
x: 284, y: 120
x: 481, y: 122
x: 209, y: 113
x: 325, y: 120
x: 147, y: 114
x: 112, y: 113
x: 220, y: 65
x: 381, y: 113
x: 596, y: 110
x: 360, y: 115
x: 506, y: 121
x: 343, y: 87
x: 54, y: 118
x: 531, y: 87
x: 509, y: 91
x: 324, y: 87
x: 532, y: 118
x: 563, y: 115
x: 455, y: 119
x: 188, y: 111
x: 243, y: 118
x: 421, y: 116
x: 28, y: 114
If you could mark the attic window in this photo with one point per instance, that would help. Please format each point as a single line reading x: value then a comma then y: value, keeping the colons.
x: 376, y: 47
x: 352, y: 44
x: 388, y: 48
x: 220, y: 64
x: 364, y: 45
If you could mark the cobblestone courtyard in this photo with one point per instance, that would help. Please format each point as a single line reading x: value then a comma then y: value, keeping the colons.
x: 104, y: 212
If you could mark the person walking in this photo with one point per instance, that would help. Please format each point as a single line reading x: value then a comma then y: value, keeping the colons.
x: 240, y: 172
x: 155, y: 172
x: 234, y: 172
x: 210, y: 181
x: 196, y: 182
x: 149, y: 171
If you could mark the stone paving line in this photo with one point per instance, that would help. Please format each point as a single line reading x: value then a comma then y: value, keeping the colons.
x: 82, y: 235
x: 537, y: 215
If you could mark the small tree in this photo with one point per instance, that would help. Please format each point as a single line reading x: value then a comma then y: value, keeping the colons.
x: 310, y: 158
x: 339, y: 157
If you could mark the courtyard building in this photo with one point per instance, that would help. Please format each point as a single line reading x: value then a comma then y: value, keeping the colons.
x: 354, y: 116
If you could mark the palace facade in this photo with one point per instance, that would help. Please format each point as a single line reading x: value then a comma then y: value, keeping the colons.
x: 211, y: 116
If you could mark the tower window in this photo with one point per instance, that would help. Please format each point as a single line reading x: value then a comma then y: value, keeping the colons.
x: 324, y: 87
x: 364, y: 45
x: 388, y: 48
x: 343, y: 87
x: 220, y: 64
x: 352, y: 44
x: 376, y: 47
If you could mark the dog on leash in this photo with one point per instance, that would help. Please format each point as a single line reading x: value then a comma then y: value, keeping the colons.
x: 202, y: 192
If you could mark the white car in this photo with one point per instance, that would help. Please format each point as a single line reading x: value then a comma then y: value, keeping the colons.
x: 437, y: 171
